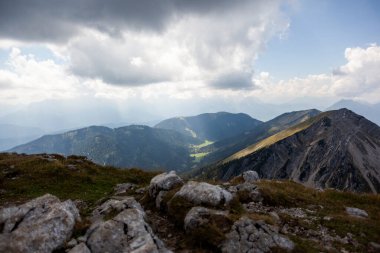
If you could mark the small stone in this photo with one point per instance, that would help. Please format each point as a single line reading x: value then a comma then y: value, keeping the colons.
x: 123, y: 188
x: 82, y: 239
x: 353, y: 211
x: 71, y: 243
x: 80, y: 248
x: 275, y: 216
x: 250, y: 176
x: 375, y: 246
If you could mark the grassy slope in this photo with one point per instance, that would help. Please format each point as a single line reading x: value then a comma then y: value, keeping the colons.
x: 332, y: 203
x: 24, y: 177
x: 274, y: 138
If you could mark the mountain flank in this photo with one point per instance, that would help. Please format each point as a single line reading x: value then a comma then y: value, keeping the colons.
x: 211, y: 126
x: 227, y: 147
x: 130, y: 146
x: 337, y: 149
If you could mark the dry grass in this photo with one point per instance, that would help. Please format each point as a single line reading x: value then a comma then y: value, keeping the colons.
x: 25, y: 177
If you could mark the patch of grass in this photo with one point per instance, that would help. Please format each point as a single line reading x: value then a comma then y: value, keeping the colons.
x: 178, y: 208
x: 264, y: 217
x: 287, y: 193
x: 23, y: 177
x: 275, y: 138
x: 303, y: 245
x: 331, y: 203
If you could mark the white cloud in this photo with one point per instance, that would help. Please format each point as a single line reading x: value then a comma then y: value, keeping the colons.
x: 192, y: 47
x: 358, y: 79
x: 28, y: 80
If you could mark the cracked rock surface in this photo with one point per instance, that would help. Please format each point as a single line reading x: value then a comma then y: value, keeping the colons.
x: 128, y: 231
x: 41, y: 225
x: 254, y: 236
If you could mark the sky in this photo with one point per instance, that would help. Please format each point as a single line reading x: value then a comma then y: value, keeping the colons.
x: 146, y: 60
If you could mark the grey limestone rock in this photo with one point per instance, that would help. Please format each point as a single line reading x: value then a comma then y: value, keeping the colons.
x: 115, y: 204
x: 80, y: 248
x: 123, y: 188
x: 41, y: 225
x: 164, y: 181
x: 250, y: 176
x: 200, y: 193
x: 248, y: 235
x: 353, y: 211
x: 128, y: 231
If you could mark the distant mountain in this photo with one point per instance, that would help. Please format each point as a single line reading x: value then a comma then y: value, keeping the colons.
x: 224, y: 148
x: 211, y: 126
x: 131, y: 146
x: 13, y: 135
x: 370, y: 111
x: 337, y: 149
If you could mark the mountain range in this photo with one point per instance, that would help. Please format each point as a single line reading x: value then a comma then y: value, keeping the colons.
x: 338, y: 148
x: 131, y: 146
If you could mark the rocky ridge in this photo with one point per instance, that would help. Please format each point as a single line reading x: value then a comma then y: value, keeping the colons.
x: 336, y: 149
x: 172, y: 215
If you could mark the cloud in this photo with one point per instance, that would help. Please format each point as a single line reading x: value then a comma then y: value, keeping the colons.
x: 357, y: 79
x: 204, y: 42
x: 234, y: 81
x: 28, y: 80
x: 57, y: 21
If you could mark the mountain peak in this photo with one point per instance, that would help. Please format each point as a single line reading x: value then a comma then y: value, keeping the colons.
x: 337, y: 149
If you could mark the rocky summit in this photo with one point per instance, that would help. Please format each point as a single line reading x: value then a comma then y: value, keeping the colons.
x: 170, y: 214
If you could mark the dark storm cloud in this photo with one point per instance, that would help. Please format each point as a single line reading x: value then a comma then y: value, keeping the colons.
x: 233, y: 80
x: 58, y: 20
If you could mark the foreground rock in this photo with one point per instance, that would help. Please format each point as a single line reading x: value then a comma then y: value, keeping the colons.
x: 199, y: 193
x: 254, y: 236
x: 41, y: 225
x: 128, y: 231
x: 164, y: 182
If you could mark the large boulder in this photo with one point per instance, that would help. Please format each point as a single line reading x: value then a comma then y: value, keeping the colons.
x: 248, y: 235
x: 164, y: 182
x: 41, y: 225
x: 200, y: 193
x: 128, y: 231
x: 250, y: 176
